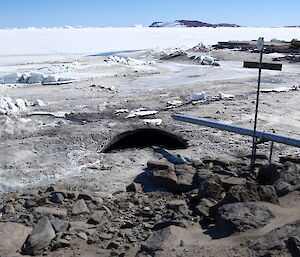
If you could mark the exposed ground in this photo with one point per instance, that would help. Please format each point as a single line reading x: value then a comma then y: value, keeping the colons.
x: 42, y: 150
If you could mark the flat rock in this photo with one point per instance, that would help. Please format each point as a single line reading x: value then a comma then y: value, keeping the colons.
x: 41, y: 236
x: 80, y: 207
x: 238, y: 217
x: 12, y: 237
x: 98, y: 217
x: 60, y: 225
x: 55, y: 211
x: 159, y: 165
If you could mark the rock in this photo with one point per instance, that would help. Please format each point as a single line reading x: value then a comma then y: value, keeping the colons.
x: 202, y: 208
x: 228, y: 182
x: 278, y: 238
x: 268, y: 174
x: 55, y: 211
x: 142, y: 254
x: 57, y: 198
x: 78, y: 226
x: 87, y: 196
x: 60, y: 225
x: 242, y: 193
x: 159, y: 165
x: 176, y: 204
x: 113, y: 245
x: 185, y: 177
x: 165, y: 239
x: 80, y: 207
x: 210, y: 186
x: 41, y: 236
x: 294, y: 159
x: 30, y: 203
x: 267, y: 194
x: 177, y: 223
x: 164, y: 178
x: 98, y: 217
x: 134, y: 187
x: 223, y: 163
x: 8, y: 209
x: 12, y: 237
x: 82, y: 235
x: 238, y: 217
x: 293, y: 244
x: 289, y: 179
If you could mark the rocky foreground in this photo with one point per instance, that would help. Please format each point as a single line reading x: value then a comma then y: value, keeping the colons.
x: 166, y: 211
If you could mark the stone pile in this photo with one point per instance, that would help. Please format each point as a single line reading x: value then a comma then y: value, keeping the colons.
x: 158, y: 213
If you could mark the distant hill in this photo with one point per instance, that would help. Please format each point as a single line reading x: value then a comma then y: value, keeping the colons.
x: 189, y: 23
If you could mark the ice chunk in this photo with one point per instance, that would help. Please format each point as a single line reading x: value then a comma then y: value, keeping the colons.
x: 197, y: 97
x: 174, y: 102
x: 223, y: 96
x: 155, y: 122
x: 121, y: 111
x: 140, y: 113
x: 21, y: 104
x: 10, y: 78
x: 39, y: 102
x: 50, y: 78
x: 35, y: 78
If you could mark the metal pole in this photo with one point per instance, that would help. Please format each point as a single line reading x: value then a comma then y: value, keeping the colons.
x: 254, y: 141
x: 263, y: 136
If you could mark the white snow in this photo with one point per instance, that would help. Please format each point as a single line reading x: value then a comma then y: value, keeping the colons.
x: 74, y: 41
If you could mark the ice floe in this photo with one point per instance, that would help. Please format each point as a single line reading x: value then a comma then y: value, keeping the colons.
x: 127, y: 61
x: 31, y: 78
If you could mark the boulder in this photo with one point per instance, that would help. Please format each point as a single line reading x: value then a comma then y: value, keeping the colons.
x: 239, y: 217
x: 80, y: 207
x: 185, y: 177
x: 165, y: 239
x: 203, y: 207
x: 41, y: 236
x: 164, y: 178
x: 242, y: 193
x: 210, y: 185
x: 12, y: 237
x: 268, y: 174
x: 267, y: 194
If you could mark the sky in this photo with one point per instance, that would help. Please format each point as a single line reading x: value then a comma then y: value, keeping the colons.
x: 125, y: 13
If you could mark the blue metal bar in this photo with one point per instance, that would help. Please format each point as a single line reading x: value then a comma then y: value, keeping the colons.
x: 263, y: 136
